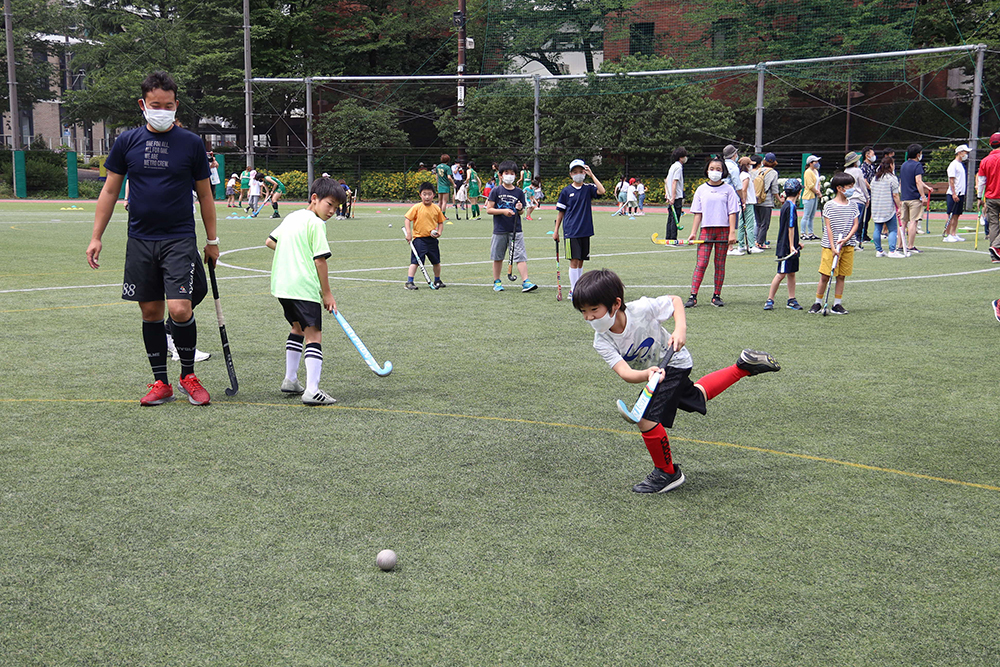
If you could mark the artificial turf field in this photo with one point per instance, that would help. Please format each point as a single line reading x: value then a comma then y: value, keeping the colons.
x: 840, y: 512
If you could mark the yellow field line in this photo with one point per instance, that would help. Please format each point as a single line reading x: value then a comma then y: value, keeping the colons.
x: 508, y: 420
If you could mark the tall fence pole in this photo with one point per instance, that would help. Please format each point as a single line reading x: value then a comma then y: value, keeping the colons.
x: 538, y: 130
x: 310, y: 168
x: 977, y: 93
x: 248, y: 81
x: 759, y: 134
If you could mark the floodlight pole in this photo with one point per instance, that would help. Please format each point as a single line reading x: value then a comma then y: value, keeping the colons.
x: 977, y: 93
x: 537, y: 81
x: 310, y: 168
x: 759, y: 136
x: 15, y: 117
x: 247, y: 82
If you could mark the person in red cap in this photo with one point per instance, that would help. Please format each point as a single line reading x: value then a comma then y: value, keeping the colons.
x: 631, y: 199
x: 988, y: 187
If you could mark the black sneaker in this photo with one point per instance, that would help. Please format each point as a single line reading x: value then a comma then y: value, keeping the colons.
x: 410, y: 286
x: 994, y: 255
x: 755, y: 362
x: 815, y: 309
x: 438, y: 283
x: 275, y: 215
x: 793, y: 304
x: 915, y: 250
x: 659, y: 481
x: 717, y: 301
x: 838, y: 310
x: 691, y: 302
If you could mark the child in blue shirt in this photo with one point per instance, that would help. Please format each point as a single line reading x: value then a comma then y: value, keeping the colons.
x: 573, y: 209
x: 505, y: 203
x: 788, y: 239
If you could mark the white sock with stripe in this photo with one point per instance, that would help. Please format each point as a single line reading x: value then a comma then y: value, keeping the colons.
x: 314, y: 366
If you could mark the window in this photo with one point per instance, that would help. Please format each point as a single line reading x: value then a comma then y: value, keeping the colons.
x: 640, y: 39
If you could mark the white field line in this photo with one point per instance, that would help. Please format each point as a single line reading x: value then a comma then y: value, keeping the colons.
x: 340, y: 275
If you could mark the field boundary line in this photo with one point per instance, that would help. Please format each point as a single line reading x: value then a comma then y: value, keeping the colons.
x: 599, y: 429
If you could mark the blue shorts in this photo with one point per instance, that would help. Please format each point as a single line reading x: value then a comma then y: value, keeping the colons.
x: 427, y: 246
x: 955, y: 207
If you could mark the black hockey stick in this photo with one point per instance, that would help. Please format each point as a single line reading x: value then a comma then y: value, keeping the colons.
x: 226, y: 353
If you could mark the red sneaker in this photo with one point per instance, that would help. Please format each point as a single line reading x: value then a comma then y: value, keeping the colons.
x: 191, y: 387
x: 158, y: 393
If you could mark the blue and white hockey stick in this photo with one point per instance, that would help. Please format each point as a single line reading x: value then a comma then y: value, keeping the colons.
x: 365, y: 354
x: 639, y: 409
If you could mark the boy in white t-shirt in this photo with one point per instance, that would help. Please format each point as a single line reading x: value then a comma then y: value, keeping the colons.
x: 301, y: 281
x: 254, y: 199
x: 631, y: 199
x: 956, y: 194
x: 631, y: 339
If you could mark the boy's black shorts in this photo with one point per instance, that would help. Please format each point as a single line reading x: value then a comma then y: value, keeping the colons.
x: 427, y: 246
x: 305, y: 313
x: 580, y: 248
x: 158, y: 269
x: 674, y: 391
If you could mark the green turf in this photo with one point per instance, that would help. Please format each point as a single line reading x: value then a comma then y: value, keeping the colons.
x: 839, y: 512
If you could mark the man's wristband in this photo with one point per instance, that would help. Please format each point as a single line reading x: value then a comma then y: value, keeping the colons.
x: 214, y: 241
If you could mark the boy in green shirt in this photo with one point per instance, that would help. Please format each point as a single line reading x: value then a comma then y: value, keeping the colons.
x: 445, y: 181
x: 300, y: 280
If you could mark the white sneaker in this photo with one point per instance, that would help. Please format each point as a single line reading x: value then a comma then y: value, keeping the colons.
x: 737, y: 252
x: 949, y: 239
x: 318, y: 397
x: 879, y: 253
x: 958, y: 239
x: 292, y: 386
x: 895, y: 254
x: 198, y: 354
x: 754, y: 250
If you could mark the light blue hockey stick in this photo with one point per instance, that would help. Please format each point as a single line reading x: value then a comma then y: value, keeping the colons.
x: 365, y: 354
x: 639, y: 409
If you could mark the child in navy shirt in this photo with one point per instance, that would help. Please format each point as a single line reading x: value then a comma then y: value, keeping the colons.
x: 788, y: 242
x: 573, y: 209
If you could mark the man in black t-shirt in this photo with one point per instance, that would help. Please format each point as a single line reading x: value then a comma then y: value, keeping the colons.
x: 161, y: 161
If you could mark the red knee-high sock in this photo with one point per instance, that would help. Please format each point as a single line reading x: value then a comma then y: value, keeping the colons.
x: 718, y: 381
x: 658, y: 445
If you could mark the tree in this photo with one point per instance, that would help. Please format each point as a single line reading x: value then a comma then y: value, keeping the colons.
x: 33, y: 19
x: 353, y: 128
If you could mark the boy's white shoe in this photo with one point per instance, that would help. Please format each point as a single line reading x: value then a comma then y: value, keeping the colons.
x: 958, y: 239
x: 292, y: 386
x: 737, y: 252
x: 949, y: 239
x: 318, y: 397
x: 754, y: 250
x: 172, y: 349
x: 880, y: 253
x: 895, y: 254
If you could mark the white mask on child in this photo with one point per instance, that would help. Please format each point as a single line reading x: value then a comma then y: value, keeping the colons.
x: 604, y: 323
x: 578, y: 178
x: 508, y: 179
x: 714, y: 175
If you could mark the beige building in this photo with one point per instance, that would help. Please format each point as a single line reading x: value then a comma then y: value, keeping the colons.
x: 44, y: 120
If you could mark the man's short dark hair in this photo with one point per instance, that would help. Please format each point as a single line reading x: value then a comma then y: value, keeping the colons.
x: 678, y: 153
x: 160, y: 80
x: 866, y: 149
x: 507, y: 165
x: 327, y: 187
x: 598, y: 288
x: 840, y: 178
x: 888, y: 152
x: 913, y: 150
x: 425, y: 186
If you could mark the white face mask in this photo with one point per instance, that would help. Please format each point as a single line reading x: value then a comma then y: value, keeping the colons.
x: 578, y: 178
x: 508, y: 179
x: 714, y: 175
x: 604, y: 323
x: 160, y: 120
x: 963, y: 157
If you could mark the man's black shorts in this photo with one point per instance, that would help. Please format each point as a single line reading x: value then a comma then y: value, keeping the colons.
x: 305, y: 313
x: 580, y: 248
x: 170, y: 269
x: 427, y: 246
x: 674, y: 391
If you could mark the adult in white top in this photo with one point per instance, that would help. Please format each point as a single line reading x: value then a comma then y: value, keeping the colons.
x: 673, y: 188
x: 956, y: 193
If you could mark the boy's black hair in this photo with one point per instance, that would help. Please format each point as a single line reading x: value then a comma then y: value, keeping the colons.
x: 425, y: 186
x: 599, y: 288
x: 327, y: 187
x: 158, y: 79
x: 678, y: 153
x: 864, y: 151
x: 536, y: 182
x: 840, y: 178
x: 718, y: 159
x: 913, y: 150
x: 507, y: 165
